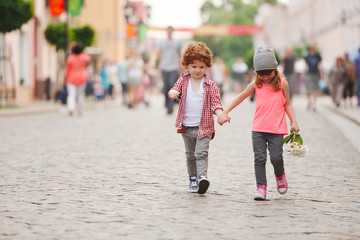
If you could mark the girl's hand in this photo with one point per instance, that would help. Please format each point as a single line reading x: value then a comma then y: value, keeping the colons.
x: 173, y: 94
x: 224, y: 117
x: 294, y: 127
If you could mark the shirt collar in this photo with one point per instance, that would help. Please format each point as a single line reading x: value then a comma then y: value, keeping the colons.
x: 206, y: 78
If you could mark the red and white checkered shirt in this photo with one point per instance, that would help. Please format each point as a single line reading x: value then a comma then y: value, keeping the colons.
x: 211, y: 103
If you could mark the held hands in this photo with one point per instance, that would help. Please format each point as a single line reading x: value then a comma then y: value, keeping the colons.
x: 223, y: 118
x: 173, y: 94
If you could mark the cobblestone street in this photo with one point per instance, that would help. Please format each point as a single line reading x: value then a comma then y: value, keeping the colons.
x: 116, y: 173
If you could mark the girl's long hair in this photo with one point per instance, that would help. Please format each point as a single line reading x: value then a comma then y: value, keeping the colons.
x: 275, y: 82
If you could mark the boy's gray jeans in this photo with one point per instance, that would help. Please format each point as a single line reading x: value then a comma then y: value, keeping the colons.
x: 262, y: 141
x: 197, y: 151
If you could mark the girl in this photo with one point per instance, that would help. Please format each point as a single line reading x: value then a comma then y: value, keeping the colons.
x: 269, y: 124
x: 200, y: 99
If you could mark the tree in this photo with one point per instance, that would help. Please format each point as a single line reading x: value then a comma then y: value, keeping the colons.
x: 228, y: 12
x: 84, y: 35
x: 13, y: 14
x: 55, y: 35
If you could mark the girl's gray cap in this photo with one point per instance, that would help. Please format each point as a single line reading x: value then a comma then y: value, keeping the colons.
x: 264, y: 59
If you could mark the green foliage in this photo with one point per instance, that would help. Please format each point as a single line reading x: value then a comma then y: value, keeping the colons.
x: 228, y: 12
x: 278, y: 58
x: 249, y: 58
x: 9, y: 106
x: 300, y: 51
x: 14, y: 13
x: 84, y: 35
x: 259, y: 2
x: 293, y: 137
x: 55, y: 35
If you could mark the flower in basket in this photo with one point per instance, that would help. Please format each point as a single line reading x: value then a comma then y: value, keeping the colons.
x: 294, y: 145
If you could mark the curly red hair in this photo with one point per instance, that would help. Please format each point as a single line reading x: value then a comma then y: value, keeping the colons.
x: 197, y: 51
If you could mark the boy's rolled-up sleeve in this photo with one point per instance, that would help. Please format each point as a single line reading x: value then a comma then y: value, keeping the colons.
x: 215, y: 98
x: 177, y: 86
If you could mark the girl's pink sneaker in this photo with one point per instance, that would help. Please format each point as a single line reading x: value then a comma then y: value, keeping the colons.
x: 281, y: 184
x: 260, y: 193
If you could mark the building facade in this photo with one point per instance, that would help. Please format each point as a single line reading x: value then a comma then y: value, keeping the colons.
x: 333, y: 26
x: 29, y: 59
x: 107, y: 18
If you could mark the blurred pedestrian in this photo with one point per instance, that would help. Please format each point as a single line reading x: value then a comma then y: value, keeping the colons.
x: 98, y: 88
x: 218, y: 74
x: 357, y: 65
x: 288, y: 66
x: 143, y: 89
x: 89, y: 90
x: 269, y: 124
x: 123, y: 79
x: 338, y: 76
x: 169, y: 54
x: 113, y: 76
x: 313, y: 75
x: 104, y: 78
x: 200, y: 99
x: 76, y: 78
x: 135, y: 77
x: 349, y: 84
x: 239, y: 71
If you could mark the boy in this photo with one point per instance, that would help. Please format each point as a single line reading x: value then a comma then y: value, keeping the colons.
x: 200, y: 99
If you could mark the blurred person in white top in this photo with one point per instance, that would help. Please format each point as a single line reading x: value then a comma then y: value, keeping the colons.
x: 135, y: 74
x: 239, y: 70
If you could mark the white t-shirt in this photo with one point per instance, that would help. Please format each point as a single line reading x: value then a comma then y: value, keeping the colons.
x: 136, y: 70
x: 193, y: 106
x: 240, y: 68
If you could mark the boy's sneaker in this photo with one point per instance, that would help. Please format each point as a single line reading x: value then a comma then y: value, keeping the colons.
x: 260, y: 193
x: 281, y: 184
x: 193, y: 185
x: 203, y: 185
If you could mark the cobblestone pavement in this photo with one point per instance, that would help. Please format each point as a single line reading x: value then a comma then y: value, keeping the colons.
x: 116, y: 173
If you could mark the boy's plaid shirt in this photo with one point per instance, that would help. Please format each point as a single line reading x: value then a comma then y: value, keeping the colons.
x: 211, y: 103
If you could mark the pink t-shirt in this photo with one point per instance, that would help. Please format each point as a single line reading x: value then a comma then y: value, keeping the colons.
x: 76, y: 68
x: 270, y: 114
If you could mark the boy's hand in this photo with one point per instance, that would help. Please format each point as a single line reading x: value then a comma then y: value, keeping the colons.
x: 173, y: 94
x: 224, y: 117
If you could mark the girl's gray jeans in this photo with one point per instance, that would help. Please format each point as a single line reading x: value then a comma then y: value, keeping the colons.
x: 197, y: 151
x: 261, y: 142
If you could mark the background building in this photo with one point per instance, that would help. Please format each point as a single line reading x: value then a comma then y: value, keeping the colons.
x: 332, y: 25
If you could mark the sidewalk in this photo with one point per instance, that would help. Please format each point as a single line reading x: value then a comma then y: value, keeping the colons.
x: 34, y: 107
x: 351, y: 113
x: 38, y: 107
x: 41, y: 107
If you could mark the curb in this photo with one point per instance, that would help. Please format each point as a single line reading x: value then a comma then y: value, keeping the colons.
x: 29, y: 111
x: 339, y: 112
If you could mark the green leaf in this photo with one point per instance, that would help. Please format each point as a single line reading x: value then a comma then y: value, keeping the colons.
x: 287, y: 138
x: 300, y: 142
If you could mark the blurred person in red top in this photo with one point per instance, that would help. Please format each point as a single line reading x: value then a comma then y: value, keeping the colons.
x: 76, y: 77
